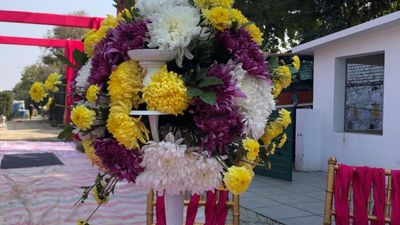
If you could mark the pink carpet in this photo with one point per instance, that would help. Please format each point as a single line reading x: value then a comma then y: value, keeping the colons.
x: 46, y: 195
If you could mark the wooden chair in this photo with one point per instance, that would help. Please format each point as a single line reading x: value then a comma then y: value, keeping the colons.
x: 330, y: 212
x: 151, y: 203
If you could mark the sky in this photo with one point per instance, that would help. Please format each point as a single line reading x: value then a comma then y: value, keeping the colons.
x: 14, y: 58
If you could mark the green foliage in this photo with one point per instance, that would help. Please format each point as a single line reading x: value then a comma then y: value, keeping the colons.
x: 6, y: 103
x: 305, y: 20
x: 66, y: 134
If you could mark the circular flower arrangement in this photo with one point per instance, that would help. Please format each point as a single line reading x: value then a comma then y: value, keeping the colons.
x: 218, y: 95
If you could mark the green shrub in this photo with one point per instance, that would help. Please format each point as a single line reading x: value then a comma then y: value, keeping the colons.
x: 6, y: 104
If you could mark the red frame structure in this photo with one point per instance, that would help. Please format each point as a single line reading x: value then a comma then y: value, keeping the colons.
x: 56, y: 20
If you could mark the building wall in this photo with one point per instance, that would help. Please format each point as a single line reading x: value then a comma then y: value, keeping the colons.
x: 329, y: 139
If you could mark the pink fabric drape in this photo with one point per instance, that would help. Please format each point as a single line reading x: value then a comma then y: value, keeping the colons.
x: 95, y: 23
x: 210, y: 209
x: 341, y: 190
x: 160, y: 211
x: 222, y: 210
x: 70, y: 46
x: 395, y: 198
x: 379, y: 181
x: 192, y: 209
x: 362, y: 183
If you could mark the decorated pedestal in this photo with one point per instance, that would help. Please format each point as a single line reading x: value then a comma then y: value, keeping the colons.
x: 151, y: 61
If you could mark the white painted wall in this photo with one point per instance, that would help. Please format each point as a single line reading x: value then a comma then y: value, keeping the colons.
x: 326, y: 130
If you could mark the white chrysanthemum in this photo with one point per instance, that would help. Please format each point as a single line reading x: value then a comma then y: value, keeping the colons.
x: 173, y: 28
x: 206, y: 174
x: 257, y: 107
x: 83, y: 74
x: 166, y: 167
x: 147, y: 8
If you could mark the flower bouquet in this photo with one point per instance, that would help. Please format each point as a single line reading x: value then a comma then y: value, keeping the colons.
x: 175, y: 96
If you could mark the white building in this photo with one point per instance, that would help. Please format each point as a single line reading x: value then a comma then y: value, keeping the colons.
x: 356, y: 112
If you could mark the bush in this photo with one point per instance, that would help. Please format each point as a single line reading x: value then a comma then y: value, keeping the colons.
x: 6, y: 104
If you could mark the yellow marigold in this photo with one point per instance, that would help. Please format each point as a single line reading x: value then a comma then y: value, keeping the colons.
x: 266, y: 139
x: 83, y: 117
x: 127, y: 130
x: 125, y: 83
x: 238, y: 179
x: 166, y: 93
x: 255, y: 33
x: 284, y: 76
x: 273, y: 130
x: 284, y: 118
x: 205, y: 4
x: 90, y: 152
x: 93, y: 36
x: 282, y: 141
x: 99, y: 196
x: 238, y: 17
x: 92, y: 93
x: 52, y: 81
x: 276, y: 91
x: 37, y: 92
x: 252, y: 147
x: 218, y: 17
x: 82, y: 222
x: 296, y: 62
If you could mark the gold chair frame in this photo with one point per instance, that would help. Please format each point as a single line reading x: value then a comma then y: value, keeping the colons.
x: 329, y: 211
x: 234, y: 205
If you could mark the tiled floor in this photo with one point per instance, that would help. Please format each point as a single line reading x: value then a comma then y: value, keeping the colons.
x: 292, y: 203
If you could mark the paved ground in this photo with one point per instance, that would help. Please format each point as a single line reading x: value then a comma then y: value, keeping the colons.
x: 29, y: 130
x: 268, y: 201
x: 300, y: 202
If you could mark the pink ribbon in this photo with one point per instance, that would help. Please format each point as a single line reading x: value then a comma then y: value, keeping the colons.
x: 379, y: 180
x: 222, y: 210
x: 192, y: 209
x: 160, y: 211
x: 341, y: 192
x: 395, y: 198
x: 210, y: 208
x: 362, y: 183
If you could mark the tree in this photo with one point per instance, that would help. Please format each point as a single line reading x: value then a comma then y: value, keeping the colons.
x: 286, y: 22
x: 6, y: 103
x: 50, y: 54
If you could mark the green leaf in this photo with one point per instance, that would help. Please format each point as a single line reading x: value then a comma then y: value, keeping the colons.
x: 210, y: 81
x: 65, y: 61
x: 273, y: 62
x: 80, y: 57
x: 66, y: 134
x: 192, y: 92
x: 209, y: 97
x: 201, y: 73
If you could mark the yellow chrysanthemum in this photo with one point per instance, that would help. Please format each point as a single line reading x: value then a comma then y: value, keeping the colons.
x: 37, y: 92
x: 238, y: 179
x: 90, y: 152
x: 252, y: 147
x: 83, y: 117
x: 82, y: 222
x: 127, y: 130
x: 296, y: 62
x: 48, y: 104
x: 284, y: 118
x: 282, y: 141
x: 238, y: 17
x: 276, y: 91
x: 218, y: 17
x: 125, y: 83
x: 52, y: 81
x: 93, y: 36
x: 127, y: 13
x: 206, y: 4
x: 273, y: 130
x: 99, y: 196
x: 166, y: 93
x: 255, y: 33
x: 284, y: 76
x: 92, y: 93
x: 272, y: 149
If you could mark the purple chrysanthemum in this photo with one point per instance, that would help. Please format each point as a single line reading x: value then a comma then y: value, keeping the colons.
x: 118, y: 160
x: 245, y: 51
x: 112, y: 50
x: 220, y: 122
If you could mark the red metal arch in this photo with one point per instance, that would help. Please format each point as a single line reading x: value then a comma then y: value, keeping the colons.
x: 51, y: 19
